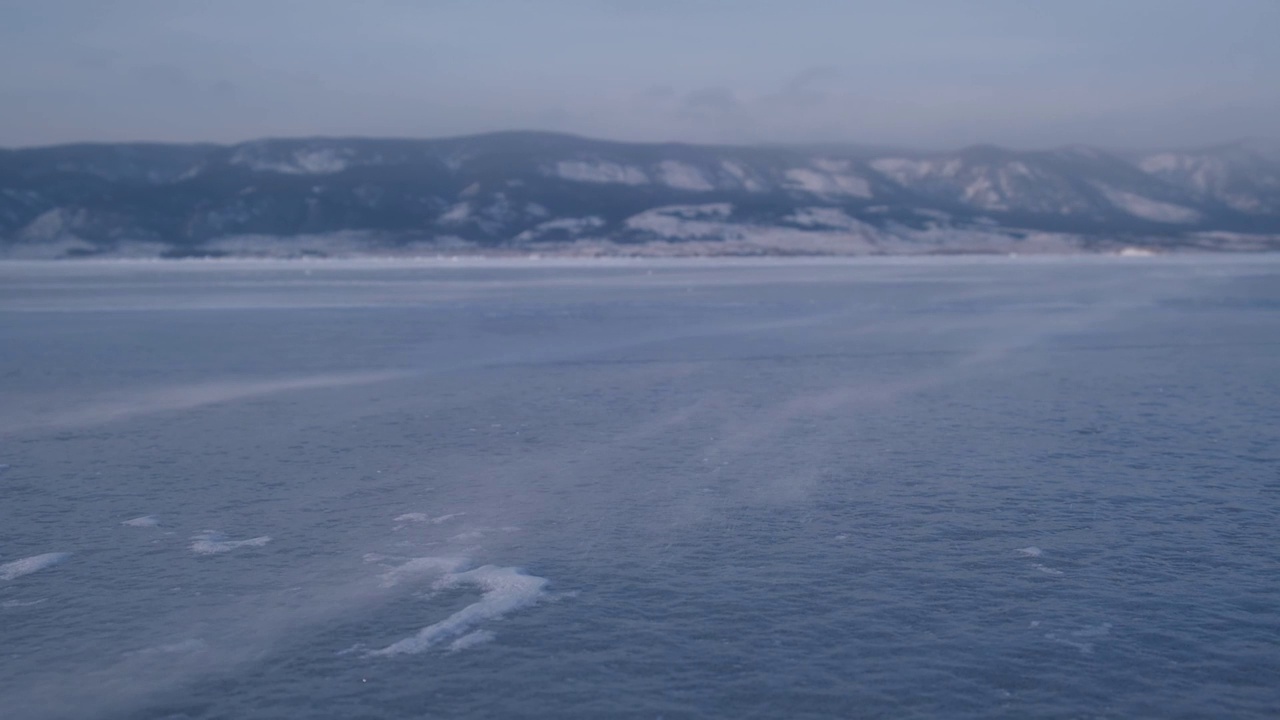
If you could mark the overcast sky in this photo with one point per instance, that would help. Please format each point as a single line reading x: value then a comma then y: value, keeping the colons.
x: 927, y: 73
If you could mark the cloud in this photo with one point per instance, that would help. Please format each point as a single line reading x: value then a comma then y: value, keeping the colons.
x: 162, y: 76
x: 711, y: 101
x: 811, y: 79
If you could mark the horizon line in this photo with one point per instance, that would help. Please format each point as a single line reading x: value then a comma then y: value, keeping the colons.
x: 846, y: 145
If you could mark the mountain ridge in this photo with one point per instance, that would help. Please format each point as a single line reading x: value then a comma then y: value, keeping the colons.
x: 539, y: 192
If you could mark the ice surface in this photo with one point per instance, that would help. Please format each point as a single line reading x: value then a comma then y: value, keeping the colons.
x: 505, y: 589
x: 28, y: 565
x: 211, y: 542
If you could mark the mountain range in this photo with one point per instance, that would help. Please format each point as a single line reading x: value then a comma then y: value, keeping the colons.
x: 542, y: 193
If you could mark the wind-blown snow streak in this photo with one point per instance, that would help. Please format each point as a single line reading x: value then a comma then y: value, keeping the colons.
x: 28, y: 565
x: 183, y: 397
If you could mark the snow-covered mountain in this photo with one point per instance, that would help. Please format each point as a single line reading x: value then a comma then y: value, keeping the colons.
x: 539, y: 192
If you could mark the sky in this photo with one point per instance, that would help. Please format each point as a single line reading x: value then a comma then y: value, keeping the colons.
x: 935, y: 74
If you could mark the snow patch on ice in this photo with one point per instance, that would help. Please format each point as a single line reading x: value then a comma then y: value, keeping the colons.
x: 212, y: 542
x: 146, y: 521
x: 28, y: 565
x: 420, y: 567
x: 504, y: 590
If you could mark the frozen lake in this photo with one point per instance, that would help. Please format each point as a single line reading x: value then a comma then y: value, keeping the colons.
x: 964, y: 488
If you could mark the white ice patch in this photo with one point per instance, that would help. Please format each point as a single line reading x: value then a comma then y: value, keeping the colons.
x: 600, y: 171
x: 683, y: 176
x: 28, y: 565
x: 146, y: 521
x: 505, y: 590
x: 1030, y: 551
x: 212, y: 542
